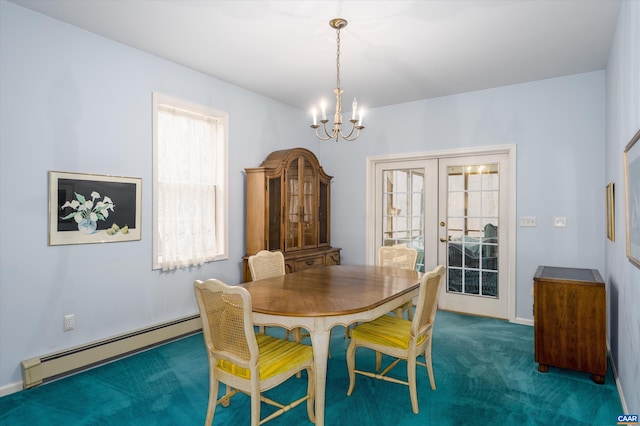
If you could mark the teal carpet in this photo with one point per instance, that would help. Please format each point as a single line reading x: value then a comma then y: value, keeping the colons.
x: 484, y: 370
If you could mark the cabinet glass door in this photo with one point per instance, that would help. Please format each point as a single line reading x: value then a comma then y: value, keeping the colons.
x: 323, y: 215
x: 309, y: 210
x: 275, y: 215
x: 292, y: 206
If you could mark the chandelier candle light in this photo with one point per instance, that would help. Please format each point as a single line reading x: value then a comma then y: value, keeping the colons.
x: 356, y: 116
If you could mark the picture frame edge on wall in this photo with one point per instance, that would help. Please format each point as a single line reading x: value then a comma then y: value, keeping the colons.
x: 631, y: 159
x: 611, y: 224
x: 86, y: 208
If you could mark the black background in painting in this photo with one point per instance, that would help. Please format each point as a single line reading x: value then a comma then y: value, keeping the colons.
x: 123, y: 196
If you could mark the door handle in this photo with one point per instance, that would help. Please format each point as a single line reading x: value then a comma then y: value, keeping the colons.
x: 443, y: 240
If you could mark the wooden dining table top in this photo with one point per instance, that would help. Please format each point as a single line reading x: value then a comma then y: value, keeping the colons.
x: 330, y: 290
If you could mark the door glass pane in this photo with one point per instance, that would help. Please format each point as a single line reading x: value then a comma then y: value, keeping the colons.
x: 472, y: 230
x: 402, y: 210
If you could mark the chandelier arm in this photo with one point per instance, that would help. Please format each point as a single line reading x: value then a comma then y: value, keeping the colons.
x: 324, y: 126
x: 353, y: 127
x: 333, y: 133
x: 348, y: 138
x: 321, y: 137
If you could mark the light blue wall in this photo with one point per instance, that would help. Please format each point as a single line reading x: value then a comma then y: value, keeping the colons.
x: 623, y: 121
x: 74, y: 101
x: 558, y: 127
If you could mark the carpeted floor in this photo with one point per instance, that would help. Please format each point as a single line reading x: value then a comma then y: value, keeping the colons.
x: 484, y: 369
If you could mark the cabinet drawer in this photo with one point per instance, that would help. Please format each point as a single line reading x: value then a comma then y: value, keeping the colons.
x: 309, y: 262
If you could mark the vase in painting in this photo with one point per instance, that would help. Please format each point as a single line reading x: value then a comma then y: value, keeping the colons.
x: 87, y: 226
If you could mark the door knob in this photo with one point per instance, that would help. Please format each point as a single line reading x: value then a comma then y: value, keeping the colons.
x: 443, y: 240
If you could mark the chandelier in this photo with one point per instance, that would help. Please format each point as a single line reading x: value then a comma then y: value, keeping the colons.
x: 356, y: 116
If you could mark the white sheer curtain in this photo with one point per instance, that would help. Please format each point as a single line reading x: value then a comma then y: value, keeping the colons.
x: 186, y: 188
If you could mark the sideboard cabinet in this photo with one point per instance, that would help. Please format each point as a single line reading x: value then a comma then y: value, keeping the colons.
x: 288, y: 209
x: 569, y: 316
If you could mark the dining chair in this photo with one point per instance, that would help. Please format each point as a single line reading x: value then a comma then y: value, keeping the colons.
x: 266, y: 264
x: 396, y: 256
x: 399, y: 256
x: 400, y: 338
x: 243, y: 360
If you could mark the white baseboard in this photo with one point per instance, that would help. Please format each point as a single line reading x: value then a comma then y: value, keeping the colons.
x: 523, y: 321
x: 10, y: 388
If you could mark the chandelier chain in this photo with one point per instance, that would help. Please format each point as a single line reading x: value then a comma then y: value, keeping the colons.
x: 338, y: 59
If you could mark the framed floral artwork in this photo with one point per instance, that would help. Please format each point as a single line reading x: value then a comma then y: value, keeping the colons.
x: 632, y: 198
x: 90, y: 208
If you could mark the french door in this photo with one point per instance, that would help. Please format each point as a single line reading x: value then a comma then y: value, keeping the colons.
x: 454, y: 211
x: 472, y: 237
x: 405, y: 196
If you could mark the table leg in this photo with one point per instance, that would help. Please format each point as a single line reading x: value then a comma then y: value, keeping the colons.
x: 320, y: 343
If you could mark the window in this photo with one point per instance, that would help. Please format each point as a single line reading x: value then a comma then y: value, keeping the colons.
x: 189, y: 184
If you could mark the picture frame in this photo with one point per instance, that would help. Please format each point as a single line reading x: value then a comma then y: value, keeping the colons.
x: 91, y: 208
x: 632, y: 198
x: 611, y: 224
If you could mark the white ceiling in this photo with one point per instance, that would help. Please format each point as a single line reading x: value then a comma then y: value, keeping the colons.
x: 391, y: 51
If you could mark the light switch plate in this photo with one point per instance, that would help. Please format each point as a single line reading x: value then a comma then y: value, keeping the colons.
x: 528, y: 221
x: 560, y: 222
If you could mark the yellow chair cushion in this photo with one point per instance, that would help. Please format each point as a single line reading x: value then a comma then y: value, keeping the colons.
x: 387, y: 330
x: 276, y: 356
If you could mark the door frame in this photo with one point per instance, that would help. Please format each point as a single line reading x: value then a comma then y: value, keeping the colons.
x: 510, y: 220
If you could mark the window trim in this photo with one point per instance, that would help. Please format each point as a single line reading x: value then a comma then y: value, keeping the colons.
x: 222, y: 189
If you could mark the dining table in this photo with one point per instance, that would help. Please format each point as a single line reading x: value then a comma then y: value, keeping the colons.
x: 318, y: 299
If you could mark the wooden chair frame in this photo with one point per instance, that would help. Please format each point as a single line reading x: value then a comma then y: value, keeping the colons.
x: 232, y: 347
x: 418, y: 335
x: 399, y: 256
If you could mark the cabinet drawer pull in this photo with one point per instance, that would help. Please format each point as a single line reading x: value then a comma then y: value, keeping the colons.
x: 310, y: 262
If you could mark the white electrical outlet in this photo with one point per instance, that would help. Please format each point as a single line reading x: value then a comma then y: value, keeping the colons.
x: 560, y: 222
x: 69, y: 322
x: 528, y: 221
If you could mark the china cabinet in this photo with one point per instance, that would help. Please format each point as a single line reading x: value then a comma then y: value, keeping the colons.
x: 288, y: 209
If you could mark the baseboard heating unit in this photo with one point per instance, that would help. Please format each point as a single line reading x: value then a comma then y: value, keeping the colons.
x: 45, y: 368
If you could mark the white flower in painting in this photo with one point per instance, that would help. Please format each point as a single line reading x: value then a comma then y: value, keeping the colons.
x: 88, y: 209
x: 73, y: 204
